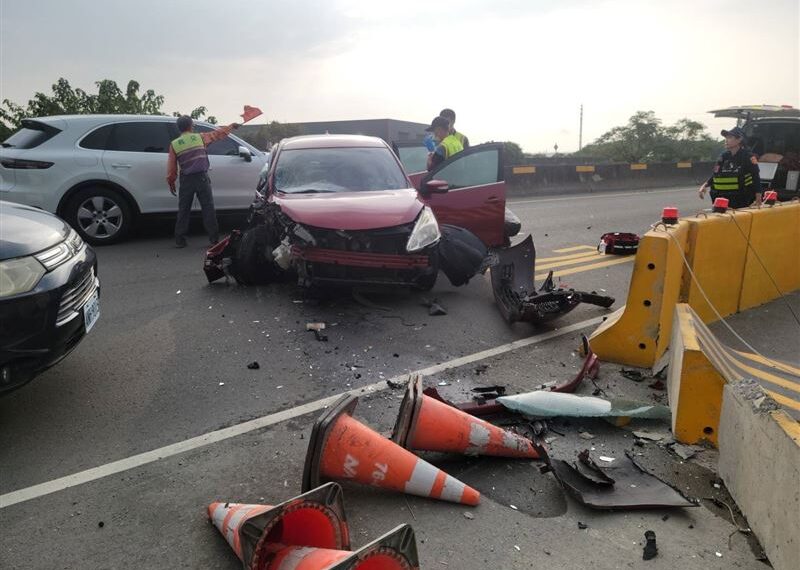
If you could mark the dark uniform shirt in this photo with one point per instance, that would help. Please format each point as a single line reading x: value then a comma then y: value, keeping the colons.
x: 742, y: 165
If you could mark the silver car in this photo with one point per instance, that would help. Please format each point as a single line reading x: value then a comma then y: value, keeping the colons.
x: 102, y: 172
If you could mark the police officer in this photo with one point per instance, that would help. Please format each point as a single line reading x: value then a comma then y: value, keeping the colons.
x: 447, y: 143
x: 450, y: 115
x: 736, y: 176
x: 188, y: 154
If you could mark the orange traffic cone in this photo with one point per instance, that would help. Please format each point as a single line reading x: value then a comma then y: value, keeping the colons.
x: 431, y: 425
x: 396, y: 550
x: 341, y: 447
x: 315, y: 519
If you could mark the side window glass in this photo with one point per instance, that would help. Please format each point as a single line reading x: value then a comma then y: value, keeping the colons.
x: 473, y: 169
x: 222, y: 147
x: 413, y: 158
x: 97, y: 139
x: 140, y: 137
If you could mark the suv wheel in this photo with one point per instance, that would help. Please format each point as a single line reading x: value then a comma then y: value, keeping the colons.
x: 101, y: 215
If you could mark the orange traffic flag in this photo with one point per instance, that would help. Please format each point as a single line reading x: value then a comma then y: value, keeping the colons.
x: 427, y: 424
x: 250, y: 113
x: 341, y: 447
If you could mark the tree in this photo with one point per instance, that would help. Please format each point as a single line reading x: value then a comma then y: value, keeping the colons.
x: 512, y: 154
x: 66, y: 100
x: 645, y: 139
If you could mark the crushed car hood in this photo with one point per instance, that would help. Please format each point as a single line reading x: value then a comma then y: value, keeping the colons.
x: 352, y: 210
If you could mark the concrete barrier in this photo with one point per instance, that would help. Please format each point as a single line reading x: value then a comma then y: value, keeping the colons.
x: 759, y: 460
x: 740, y: 259
x: 549, y: 179
x: 749, y: 407
x: 638, y: 333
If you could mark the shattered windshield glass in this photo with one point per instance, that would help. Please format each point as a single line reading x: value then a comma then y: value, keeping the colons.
x: 338, y: 170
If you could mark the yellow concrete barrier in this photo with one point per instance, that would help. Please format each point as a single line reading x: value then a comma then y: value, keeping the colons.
x: 775, y: 242
x: 728, y: 269
x: 699, y: 368
x: 717, y: 252
x: 639, y: 333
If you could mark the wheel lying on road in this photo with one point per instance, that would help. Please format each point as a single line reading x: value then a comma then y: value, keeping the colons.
x: 101, y: 215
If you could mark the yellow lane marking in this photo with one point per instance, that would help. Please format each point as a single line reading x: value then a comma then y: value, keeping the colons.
x: 767, y: 362
x: 590, y: 257
x: 570, y: 256
x: 575, y: 248
x: 589, y: 267
x: 784, y: 401
x: 763, y: 375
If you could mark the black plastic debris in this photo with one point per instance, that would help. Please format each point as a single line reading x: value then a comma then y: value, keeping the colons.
x: 254, y: 365
x: 514, y: 288
x: 460, y: 254
x: 634, y: 375
x: 633, y: 487
x: 650, y: 548
x: 582, y: 525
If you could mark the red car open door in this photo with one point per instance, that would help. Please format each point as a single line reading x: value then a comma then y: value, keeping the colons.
x: 476, y: 192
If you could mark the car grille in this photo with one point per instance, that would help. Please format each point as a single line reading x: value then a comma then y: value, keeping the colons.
x: 75, y: 297
x: 384, y: 240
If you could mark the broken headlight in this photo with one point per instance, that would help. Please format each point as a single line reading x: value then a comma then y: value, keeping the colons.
x: 426, y: 231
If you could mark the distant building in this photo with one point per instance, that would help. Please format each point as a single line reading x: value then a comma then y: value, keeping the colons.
x: 389, y: 130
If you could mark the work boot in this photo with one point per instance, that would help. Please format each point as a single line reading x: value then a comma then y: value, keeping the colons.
x: 180, y: 242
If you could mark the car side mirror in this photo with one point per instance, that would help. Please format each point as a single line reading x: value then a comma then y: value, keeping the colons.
x: 436, y: 187
x: 245, y: 153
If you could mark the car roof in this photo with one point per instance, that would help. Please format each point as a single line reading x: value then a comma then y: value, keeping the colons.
x: 331, y: 141
x: 757, y: 111
x: 91, y: 120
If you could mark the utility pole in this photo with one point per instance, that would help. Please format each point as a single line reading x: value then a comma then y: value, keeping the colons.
x: 580, y: 131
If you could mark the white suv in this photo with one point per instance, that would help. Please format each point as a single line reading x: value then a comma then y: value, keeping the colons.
x: 100, y: 172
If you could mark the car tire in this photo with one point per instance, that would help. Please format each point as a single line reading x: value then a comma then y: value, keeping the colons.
x: 101, y: 215
x: 252, y: 265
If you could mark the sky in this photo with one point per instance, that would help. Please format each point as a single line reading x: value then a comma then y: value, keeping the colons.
x: 515, y: 70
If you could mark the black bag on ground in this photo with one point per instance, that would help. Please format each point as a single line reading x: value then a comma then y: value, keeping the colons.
x: 461, y: 254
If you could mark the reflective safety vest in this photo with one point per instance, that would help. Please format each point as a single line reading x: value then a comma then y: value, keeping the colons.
x: 190, y: 150
x: 730, y: 178
x: 451, y: 146
x: 461, y: 138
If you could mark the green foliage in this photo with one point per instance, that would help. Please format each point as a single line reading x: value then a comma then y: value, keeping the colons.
x: 645, y: 139
x: 512, y: 154
x: 66, y: 100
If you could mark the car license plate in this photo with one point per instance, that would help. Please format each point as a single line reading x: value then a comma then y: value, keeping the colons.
x: 91, y: 311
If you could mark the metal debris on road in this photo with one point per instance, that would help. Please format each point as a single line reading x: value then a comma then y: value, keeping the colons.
x: 469, y: 516
x: 633, y: 488
x: 650, y: 549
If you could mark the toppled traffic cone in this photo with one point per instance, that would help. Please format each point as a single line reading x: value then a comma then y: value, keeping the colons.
x: 396, y: 550
x: 341, y: 447
x: 427, y: 424
x: 315, y: 519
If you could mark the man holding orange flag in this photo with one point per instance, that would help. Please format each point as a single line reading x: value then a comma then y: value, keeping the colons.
x: 188, y: 154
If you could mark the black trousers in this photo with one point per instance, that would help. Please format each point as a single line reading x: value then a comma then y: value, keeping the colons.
x: 191, y: 185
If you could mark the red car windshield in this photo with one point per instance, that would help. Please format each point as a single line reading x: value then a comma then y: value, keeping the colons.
x: 343, y: 169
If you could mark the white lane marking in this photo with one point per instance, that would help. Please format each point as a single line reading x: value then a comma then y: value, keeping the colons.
x: 594, y: 196
x: 95, y: 473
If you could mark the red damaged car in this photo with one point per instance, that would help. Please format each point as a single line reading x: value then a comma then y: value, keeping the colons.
x: 340, y: 209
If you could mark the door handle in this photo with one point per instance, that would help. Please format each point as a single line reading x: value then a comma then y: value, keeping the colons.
x: 493, y: 199
x: 118, y: 165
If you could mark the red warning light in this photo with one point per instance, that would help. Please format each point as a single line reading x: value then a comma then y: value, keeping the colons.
x: 670, y: 215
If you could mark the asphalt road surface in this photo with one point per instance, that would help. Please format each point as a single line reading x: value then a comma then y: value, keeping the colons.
x: 109, y: 459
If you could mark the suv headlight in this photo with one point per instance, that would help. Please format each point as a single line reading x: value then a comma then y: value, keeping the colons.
x: 426, y: 231
x: 19, y: 275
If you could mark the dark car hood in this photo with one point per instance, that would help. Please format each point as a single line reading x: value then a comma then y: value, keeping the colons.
x: 352, y: 210
x: 25, y: 230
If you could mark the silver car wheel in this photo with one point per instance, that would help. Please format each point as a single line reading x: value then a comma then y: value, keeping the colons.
x: 100, y: 217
